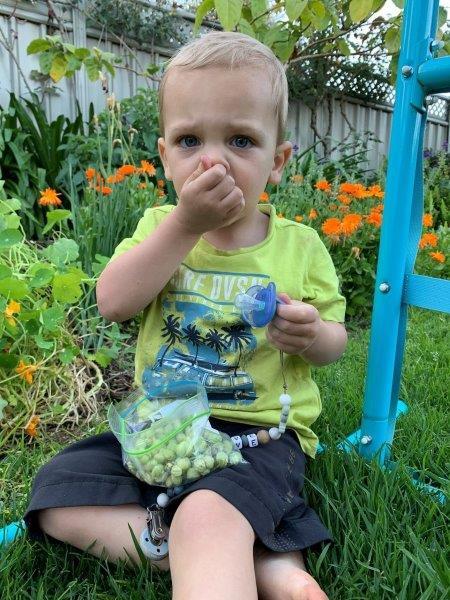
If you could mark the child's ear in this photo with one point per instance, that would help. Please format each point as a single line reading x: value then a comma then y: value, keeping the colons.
x: 282, y: 155
x: 162, y: 154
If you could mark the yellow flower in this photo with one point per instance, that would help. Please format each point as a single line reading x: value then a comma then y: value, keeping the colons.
x: 49, y: 197
x: 297, y: 178
x: 31, y: 426
x: 298, y: 218
x: 313, y: 214
x: 12, y: 308
x: 26, y: 371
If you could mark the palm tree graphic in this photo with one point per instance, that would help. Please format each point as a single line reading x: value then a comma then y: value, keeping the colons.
x: 192, y: 334
x: 171, y: 332
x: 237, y: 336
x: 214, y: 340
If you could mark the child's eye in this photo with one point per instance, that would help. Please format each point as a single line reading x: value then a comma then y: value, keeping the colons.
x: 188, y: 139
x: 243, y: 142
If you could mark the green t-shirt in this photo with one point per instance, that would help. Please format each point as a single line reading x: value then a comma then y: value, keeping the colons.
x: 194, y: 328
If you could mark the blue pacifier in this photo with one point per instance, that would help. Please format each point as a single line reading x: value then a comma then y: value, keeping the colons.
x: 258, y: 304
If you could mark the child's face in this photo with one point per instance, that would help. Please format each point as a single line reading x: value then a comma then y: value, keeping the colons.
x: 228, y: 116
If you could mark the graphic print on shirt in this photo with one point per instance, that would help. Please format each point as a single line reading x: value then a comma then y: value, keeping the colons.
x: 206, y: 338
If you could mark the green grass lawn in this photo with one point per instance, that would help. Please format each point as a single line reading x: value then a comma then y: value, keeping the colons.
x: 391, y: 540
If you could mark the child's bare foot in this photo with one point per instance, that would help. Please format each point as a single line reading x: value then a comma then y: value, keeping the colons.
x: 282, y: 576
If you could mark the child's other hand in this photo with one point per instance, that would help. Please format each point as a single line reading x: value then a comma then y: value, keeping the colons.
x: 295, y: 327
x: 209, y: 198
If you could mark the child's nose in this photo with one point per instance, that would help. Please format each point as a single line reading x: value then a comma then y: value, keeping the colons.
x: 219, y: 160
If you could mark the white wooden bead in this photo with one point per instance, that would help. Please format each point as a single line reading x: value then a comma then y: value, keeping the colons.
x: 237, y: 441
x: 285, y: 410
x: 285, y: 400
x: 282, y: 427
x: 274, y: 433
x: 162, y: 500
x: 252, y: 440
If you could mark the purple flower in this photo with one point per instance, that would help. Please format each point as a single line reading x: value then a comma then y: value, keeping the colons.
x: 295, y: 148
x: 427, y: 153
x: 445, y: 145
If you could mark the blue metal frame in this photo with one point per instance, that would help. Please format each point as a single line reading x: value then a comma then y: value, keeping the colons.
x: 419, y: 74
x: 396, y: 287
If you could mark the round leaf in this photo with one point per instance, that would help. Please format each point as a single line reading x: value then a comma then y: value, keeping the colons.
x: 66, y: 288
x: 13, y: 288
x: 41, y: 278
x: 10, y: 237
x: 52, y: 318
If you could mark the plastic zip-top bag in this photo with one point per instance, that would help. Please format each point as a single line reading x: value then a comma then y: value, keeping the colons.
x: 165, y: 434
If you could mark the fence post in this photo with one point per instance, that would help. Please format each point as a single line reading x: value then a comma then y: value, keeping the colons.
x: 80, y: 39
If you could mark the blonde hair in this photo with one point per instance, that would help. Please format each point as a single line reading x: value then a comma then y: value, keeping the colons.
x: 231, y: 50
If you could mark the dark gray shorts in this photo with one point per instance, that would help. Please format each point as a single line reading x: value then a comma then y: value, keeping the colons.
x: 267, y: 490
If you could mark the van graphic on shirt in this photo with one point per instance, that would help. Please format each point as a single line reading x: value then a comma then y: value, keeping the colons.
x: 205, y: 336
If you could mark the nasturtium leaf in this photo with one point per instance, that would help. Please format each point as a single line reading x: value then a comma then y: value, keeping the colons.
x: 229, y: 12
x: 66, y: 287
x: 67, y: 355
x: 32, y: 326
x: 10, y: 237
x: 38, y: 45
x: 9, y: 205
x: 12, y: 221
x: 52, y: 318
x: 42, y: 277
x: 360, y: 9
x: 62, y: 251
x: 55, y: 216
x: 8, y: 360
x: 43, y: 343
x: 5, y: 271
x: 14, y: 288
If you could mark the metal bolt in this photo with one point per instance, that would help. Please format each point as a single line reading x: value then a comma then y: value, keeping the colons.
x: 407, y: 71
x: 384, y: 287
x: 366, y: 439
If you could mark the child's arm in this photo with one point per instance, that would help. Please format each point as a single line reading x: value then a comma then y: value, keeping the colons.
x: 298, y: 329
x: 208, y: 200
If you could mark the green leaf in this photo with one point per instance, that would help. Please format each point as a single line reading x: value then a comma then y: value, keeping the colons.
x: 399, y: 3
x: 52, y: 318
x: 45, y: 62
x: 442, y: 18
x: 8, y: 360
x: 103, y: 356
x: 10, y: 237
x: 5, y: 271
x: 360, y: 9
x: 9, y: 205
x: 229, y: 12
x: 284, y: 50
x: 62, y: 251
x: 67, y: 355
x: 82, y: 53
x: 245, y: 27
x: 58, y: 68
x: 13, y: 288
x: 258, y: 7
x: 38, y: 45
x: 32, y: 327
x: 343, y: 47
x: 66, y: 288
x: 55, y: 216
x: 202, y: 10
x: 92, y: 68
x: 392, y: 39
x: 12, y: 221
x: 294, y: 8
x: 43, y: 343
x: 42, y: 277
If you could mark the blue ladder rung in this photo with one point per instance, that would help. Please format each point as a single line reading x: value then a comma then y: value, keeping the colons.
x: 434, y: 75
x: 427, y: 292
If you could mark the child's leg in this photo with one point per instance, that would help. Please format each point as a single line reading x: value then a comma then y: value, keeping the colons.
x: 211, y: 550
x: 283, y: 576
x: 99, y: 529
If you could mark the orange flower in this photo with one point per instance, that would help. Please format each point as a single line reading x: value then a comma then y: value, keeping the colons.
x: 142, y: 186
x: 427, y: 220
x: 344, y: 198
x: 90, y: 173
x: 375, y: 191
x: 378, y: 208
x: 347, y: 187
x: 12, y: 309
x: 331, y: 226
x: 437, y: 256
x: 375, y: 218
x: 104, y: 189
x: 147, y: 168
x: 359, y: 191
x: 323, y: 185
x: 297, y: 178
x: 298, y: 218
x: 116, y: 178
x: 160, y: 194
x: 428, y: 239
x: 26, y: 371
x: 126, y: 170
x: 31, y: 426
x: 332, y: 207
x: 160, y: 183
x: 313, y: 214
x: 350, y: 223
x: 264, y: 197
x: 344, y: 209
x: 49, y: 197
